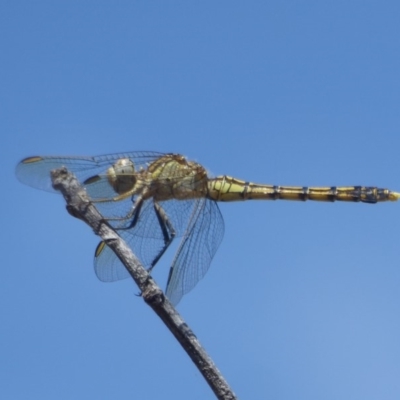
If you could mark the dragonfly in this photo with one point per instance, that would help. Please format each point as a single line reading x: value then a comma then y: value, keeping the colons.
x: 151, y: 198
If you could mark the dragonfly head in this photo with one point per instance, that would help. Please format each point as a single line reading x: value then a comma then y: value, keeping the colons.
x: 122, y: 175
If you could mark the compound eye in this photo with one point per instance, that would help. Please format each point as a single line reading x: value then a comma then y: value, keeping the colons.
x: 122, y: 175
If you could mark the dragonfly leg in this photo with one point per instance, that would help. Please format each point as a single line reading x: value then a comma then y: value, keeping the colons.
x: 133, y: 213
x: 167, y: 230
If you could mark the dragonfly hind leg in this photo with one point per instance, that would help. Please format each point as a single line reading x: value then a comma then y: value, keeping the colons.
x: 167, y: 230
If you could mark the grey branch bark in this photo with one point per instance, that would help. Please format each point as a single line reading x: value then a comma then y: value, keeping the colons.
x: 79, y: 205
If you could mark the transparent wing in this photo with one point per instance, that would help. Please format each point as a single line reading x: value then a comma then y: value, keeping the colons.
x: 35, y: 171
x: 92, y: 173
x: 145, y: 239
x: 107, y: 265
x: 197, y: 220
x: 198, y: 247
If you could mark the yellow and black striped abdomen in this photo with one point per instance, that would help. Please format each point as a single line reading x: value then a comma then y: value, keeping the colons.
x: 226, y: 188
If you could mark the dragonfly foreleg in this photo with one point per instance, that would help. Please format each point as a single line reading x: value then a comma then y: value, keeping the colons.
x: 133, y: 214
x: 167, y: 230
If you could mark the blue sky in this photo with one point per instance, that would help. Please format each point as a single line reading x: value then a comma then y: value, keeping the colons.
x: 302, y: 299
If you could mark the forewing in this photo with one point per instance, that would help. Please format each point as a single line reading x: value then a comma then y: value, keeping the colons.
x: 35, y: 171
x: 109, y: 268
x: 145, y: 239
x: 107, y: 265
x: 198, y: 247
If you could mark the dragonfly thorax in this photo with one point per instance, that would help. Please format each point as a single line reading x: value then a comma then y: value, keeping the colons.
x: 122, y: 175
x: 173, y: 177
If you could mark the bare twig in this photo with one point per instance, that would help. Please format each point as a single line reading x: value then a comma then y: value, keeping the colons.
x: 79, y: 205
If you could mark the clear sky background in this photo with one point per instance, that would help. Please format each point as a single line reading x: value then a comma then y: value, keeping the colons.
x: 302, y: 300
